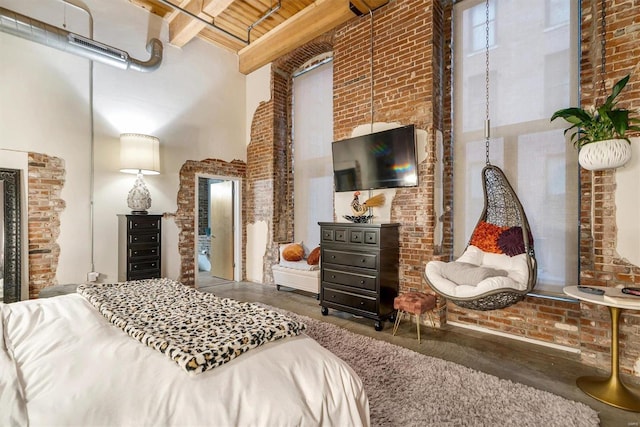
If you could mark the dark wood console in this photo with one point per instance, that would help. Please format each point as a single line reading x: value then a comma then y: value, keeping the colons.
x: 139, y: 245
x: 359, y: 269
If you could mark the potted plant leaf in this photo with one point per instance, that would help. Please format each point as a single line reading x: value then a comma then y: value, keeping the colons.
x: 601, y: 132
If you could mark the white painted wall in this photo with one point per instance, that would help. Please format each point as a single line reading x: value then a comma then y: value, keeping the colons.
x: 195, y: 103
x: 628, y: 206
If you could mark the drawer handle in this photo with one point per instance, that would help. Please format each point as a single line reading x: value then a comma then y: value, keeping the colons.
x: 361, y: 302
x: 333, y: 257
x: 364, y: 260
x: 135, y: 267
x: 362, y: 282
x: 135, y: 252
x: 333, y: 276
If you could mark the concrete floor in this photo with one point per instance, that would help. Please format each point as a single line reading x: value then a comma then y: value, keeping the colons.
x: 538, y: 366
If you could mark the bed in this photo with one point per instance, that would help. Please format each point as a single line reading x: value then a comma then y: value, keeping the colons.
x: 63, y: 361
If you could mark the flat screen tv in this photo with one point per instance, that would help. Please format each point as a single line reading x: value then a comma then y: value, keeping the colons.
x: 384, y: 159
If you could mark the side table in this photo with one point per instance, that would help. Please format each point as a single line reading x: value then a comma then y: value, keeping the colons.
x: 609, y: 390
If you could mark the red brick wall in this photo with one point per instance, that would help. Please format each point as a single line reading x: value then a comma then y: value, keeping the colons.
x: 269, y: 156
x: 586, y: 326
x: 407, y: 64
x: 46, y: 179
x: 412, y: 84
x: 185, y: 215
x: 600, y: 264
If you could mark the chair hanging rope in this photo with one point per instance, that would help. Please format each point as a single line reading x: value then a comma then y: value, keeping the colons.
x: 498, y: 267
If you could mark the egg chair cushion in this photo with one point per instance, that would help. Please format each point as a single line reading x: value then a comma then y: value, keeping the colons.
x: 464, y: 273
x: 516, y: 268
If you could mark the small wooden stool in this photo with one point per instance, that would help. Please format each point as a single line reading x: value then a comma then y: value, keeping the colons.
x: 415, y: 303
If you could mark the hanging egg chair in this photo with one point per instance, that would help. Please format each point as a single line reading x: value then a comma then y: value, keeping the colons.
x: 498, y: 266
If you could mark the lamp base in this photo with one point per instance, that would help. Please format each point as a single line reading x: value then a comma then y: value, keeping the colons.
x: 139, y: 199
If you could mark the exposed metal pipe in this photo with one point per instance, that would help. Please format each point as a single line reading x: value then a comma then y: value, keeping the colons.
x: 204, y: 21
x: 213, y: 25
x: 267, y: 14
x: 58, y: 38
x: 82, y: 7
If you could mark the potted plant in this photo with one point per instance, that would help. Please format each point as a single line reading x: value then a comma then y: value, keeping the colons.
x: 600, y: 134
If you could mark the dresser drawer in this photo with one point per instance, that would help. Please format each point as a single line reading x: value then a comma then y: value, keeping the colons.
x: 349, y: 278
x: 145, y: 274
x: 144, y: 238
x: 348, y: 299
x: 140, y: 222
x: 366, y: 237
x: 352, y: 259
x: 138, y: 252
x: 144, y: 265
x: 334, y: 235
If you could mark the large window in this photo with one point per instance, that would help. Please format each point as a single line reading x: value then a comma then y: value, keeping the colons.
x: 533, y: 72
x: 312, y: 137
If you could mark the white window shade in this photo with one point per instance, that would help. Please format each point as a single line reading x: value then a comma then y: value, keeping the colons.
x: 533, y: 72
x: 312, y: 164
x: 139, y: 154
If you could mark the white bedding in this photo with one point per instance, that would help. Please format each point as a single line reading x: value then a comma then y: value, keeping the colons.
x: 62, y: 363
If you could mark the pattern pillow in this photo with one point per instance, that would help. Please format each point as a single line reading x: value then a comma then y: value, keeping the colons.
x: 314, y: 257
x: 485, y: 237
x: 464, y: 273
x: 511, y: 241
x: 293, y: 252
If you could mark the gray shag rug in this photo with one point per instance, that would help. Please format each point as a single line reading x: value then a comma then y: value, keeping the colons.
x: 406, y: 388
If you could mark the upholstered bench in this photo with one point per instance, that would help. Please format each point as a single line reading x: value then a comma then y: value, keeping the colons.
x: 297, y: 271
x: 303, y: 279
x: 415, y: 303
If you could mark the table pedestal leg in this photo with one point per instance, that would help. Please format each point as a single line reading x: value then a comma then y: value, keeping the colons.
x: 611, y: 390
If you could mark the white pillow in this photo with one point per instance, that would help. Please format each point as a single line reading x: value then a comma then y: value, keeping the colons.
x: 464, y: 273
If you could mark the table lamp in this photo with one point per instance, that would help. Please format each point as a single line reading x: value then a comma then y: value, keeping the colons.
x: 139, y: 154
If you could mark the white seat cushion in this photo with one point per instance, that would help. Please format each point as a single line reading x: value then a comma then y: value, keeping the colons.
x: 516, y: 267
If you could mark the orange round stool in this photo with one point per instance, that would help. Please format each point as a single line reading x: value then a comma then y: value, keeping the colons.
x: 414, y: 303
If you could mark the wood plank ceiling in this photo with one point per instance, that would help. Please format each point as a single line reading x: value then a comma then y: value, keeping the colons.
x: 259, y: 31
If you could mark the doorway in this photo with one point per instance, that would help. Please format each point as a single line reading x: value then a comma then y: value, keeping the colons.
x: 218, y: 225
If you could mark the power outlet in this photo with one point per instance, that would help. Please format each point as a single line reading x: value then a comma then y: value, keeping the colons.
x: 93, y: 276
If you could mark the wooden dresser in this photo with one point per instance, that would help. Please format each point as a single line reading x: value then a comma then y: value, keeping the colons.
x: 139, y: 242
x: 359, y: 269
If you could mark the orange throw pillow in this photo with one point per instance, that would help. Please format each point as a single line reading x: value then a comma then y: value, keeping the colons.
x: 293, y: 252
x: 314, y: 257
x: 485, y: 237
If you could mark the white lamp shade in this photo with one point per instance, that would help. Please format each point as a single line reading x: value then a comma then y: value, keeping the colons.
x: 139, y: 154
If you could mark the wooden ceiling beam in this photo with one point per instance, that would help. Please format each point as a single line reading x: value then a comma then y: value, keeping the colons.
x: 183, y: 28
x: 311, y: 22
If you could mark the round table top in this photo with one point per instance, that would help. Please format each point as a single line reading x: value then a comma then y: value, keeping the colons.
x: 613, y: 297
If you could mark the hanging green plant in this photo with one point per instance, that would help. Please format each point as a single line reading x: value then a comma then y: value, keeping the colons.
x: 599, y: 123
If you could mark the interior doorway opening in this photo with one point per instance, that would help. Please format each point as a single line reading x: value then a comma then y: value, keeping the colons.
x: 218, y: 240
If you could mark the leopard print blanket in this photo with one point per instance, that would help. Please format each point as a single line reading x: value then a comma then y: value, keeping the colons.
x: 197, y: 330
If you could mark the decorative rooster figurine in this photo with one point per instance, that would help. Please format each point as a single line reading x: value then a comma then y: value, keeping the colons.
x: 360, y: 209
